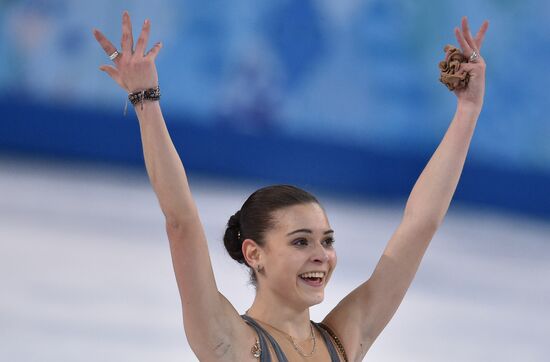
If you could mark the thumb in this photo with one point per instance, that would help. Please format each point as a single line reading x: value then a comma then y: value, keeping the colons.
x: 152, y: 54
x: 113, y: 73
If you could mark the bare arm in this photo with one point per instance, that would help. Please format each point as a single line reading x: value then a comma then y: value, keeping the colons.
x: 426, y: 207
x: 211, y: 323
x: 374, y: 302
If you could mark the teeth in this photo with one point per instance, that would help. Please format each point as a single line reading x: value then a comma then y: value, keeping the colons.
x: 313, y: 275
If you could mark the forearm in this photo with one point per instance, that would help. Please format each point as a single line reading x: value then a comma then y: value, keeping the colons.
x: 164, y: 166
x: 432, y: 193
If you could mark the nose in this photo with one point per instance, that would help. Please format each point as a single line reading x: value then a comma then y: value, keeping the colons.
x: 320, y: 254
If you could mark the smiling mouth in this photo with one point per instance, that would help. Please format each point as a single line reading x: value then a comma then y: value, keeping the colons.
x: 313, y: 279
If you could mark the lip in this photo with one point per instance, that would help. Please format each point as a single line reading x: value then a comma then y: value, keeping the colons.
x: 313, y: 284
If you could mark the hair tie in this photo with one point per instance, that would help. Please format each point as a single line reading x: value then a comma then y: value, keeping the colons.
x: 451, y: 72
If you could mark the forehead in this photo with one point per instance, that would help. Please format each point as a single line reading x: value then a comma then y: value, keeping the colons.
x: 304, y: 216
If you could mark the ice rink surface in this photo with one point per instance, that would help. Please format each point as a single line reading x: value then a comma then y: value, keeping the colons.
x: 86, y: 273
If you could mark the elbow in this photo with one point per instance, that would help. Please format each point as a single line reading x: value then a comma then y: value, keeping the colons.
x: 175, y: 225
x: 173, y: 222
x: 178, y: 222
x: 428, y: 221
x: 180, y: 214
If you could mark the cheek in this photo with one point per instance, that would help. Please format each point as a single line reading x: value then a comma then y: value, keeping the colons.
x: 287, y: 265
x: 333, y: 258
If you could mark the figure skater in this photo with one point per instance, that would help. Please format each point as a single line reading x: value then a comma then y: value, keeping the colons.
x: 284, y: 236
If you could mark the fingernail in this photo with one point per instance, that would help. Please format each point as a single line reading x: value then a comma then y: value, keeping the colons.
x: 146, y: 22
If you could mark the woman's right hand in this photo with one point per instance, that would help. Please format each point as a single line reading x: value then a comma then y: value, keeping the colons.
x: 134, y: 69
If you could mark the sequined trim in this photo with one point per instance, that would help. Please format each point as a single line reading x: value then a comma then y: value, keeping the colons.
x: 336, y: 339
x: 256, y: 350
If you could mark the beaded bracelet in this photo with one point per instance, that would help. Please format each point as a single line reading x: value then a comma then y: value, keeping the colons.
x: 151, y: 94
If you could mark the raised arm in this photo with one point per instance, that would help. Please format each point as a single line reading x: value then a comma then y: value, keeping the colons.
x: 211, y: 323
x: 369, y: 308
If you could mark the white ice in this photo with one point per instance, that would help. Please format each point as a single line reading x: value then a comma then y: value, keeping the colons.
x: 86, y: 275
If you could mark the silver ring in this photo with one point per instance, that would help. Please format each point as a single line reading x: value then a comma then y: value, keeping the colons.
x: 116, y: 54
x: 474, y: 56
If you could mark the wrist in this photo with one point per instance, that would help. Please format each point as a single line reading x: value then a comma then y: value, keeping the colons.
x: 468, y: 107
x: 147, y: 107
x: 144, y: 95
x: 149, y: 113
x: 467, y: 115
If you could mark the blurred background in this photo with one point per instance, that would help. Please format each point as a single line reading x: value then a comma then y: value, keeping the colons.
x: 339, y: 97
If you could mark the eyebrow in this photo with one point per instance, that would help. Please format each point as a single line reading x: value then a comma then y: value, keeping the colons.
x: 329, y: 231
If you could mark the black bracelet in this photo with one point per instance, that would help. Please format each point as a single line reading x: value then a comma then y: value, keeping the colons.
x: 151, y: 94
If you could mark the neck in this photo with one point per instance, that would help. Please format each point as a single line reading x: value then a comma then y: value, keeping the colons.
x: 292, y: 321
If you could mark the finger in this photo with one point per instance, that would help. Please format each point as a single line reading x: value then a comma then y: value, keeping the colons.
x: 473, y: 69
x: 107, y: 46
x: 113, y: 73
x: 468, y: 35
x: 469, y: 67
x: 143, y: 37
x: 152, y: 54
x: 127, y: 41
x: 463, y: 44
x: 481, y: 34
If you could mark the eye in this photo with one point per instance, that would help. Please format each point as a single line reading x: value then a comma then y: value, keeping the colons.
x: 300, y: 242
x: 329, y: 241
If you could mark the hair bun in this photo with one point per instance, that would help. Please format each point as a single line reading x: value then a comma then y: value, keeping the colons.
x: 235, y: 221
x: 231, y: 238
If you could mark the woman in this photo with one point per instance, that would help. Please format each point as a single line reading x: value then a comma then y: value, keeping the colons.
x: 283, y: 235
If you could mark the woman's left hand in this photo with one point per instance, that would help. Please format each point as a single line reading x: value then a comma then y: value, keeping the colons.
x: 473, y: 94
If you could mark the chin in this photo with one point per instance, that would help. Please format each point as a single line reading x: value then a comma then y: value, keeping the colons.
x: 317, y: 301
x: 313, y: 298
x: 311, y: 294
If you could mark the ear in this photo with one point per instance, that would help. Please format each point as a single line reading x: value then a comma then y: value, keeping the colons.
x: 252, y: 252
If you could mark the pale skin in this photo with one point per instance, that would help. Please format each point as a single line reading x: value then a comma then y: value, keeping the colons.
x: 214, y: 329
